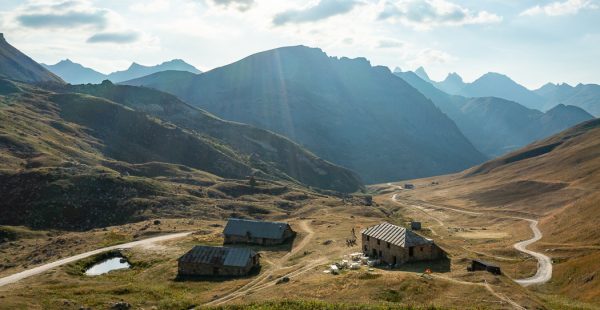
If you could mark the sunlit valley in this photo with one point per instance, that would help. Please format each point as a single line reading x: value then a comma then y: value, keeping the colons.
x: 287, y: 155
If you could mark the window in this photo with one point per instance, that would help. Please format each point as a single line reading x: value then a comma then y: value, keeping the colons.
x: 421, y: 249
x: 377, y: 241
x: 411, y: 252
x: 388, y: 245
x: 367, y: 238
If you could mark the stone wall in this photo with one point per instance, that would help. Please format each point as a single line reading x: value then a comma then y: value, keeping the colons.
x: 196, y: 269
x: 393, y: 254
x: 233, y: 239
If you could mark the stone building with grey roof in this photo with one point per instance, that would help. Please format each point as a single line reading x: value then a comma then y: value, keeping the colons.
x: 395, y: 245
x: 257, y: 232
x: 217, y: 261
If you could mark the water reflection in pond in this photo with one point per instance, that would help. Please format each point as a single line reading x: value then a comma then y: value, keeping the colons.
x: 108, y: 265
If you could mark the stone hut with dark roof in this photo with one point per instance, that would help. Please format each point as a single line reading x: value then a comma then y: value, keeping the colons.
x: 217, y: 261
x: 395, y: 245
x: 257, y: 232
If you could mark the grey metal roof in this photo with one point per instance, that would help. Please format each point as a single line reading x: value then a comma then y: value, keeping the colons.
x: 222, y: 256
x: 257, y: 229
x: 396, y: 235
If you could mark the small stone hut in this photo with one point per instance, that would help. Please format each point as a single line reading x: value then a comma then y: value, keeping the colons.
x: 395, y: 245
x: 217, y: 261
x: 415, y: 225
x: 477, y: 264
x: 257, y: 232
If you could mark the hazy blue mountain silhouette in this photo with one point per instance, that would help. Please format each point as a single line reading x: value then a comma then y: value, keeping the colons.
x: 75, y: 73
x: 344, y: 110
x: 494, y: 125
x: 490, y: 84
x: 585, y: 96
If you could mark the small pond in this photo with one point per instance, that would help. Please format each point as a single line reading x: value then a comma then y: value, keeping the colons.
x: 105, y: 266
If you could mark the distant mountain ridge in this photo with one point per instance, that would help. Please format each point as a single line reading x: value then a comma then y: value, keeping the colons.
x: 75, y: 73
x: 490, y: 84
x: 18, y: 66
x: 344, y: 110
x: 585, y: 96
x: 494, y: 125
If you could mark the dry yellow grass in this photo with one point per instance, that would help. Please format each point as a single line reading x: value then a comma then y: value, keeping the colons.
x: 555, y: 181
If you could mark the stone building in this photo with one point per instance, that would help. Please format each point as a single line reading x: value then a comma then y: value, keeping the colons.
x: 395, y: 245
x: 217, y: 261
x: 257, y: 232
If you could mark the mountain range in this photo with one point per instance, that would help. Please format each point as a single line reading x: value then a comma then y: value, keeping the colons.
x: 75, y: 73
x: 495, y: 125
x: 586, y: 96
x: 490, y: 84
x: 344, y: 110
x: 82, y: 156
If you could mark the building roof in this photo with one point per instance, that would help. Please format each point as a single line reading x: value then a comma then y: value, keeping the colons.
x: 221, y: 256
x: 395, y: 235
x: 257, y: 229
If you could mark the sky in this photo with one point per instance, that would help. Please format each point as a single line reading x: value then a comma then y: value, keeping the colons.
x: 533, y: 42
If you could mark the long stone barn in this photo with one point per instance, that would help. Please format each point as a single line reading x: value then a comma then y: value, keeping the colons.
x: 217, y: 261
x: 257, y: 232
x: 395, y: 245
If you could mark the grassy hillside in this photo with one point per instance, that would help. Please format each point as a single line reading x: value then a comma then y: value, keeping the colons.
x: 555, y: 180
x: 75, y: 161
x: 344, y: 110
x: 265, y: 152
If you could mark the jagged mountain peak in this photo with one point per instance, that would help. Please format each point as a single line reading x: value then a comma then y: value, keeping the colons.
x: 420, y: 72
x: 454, y: 77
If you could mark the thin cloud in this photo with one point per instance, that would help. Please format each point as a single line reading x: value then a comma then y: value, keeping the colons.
x: 114, y: 37
x: 68, y: 20
x: 322, y: 10
x: 67, y: 14
x: 390, y: 44
x: 558, y: 8
x: 426, y: 14
x: 240, y: 5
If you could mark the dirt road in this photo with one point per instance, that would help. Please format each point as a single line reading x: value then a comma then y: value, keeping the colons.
x: 43, y: 268
x: 544, y: 270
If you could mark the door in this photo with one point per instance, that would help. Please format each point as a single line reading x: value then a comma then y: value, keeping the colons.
x: 374, y: 253
x: 411, y: 251
x: 215, y: 271
x: 393, y: 260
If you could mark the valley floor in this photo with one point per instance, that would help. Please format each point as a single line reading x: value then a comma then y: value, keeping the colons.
x: 321, y: 241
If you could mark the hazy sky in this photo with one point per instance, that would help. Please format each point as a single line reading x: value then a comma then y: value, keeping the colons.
x: 534, y: 42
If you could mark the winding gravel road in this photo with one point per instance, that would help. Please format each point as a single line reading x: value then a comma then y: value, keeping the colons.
x: 544, y: 270
x: 43, y: 268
